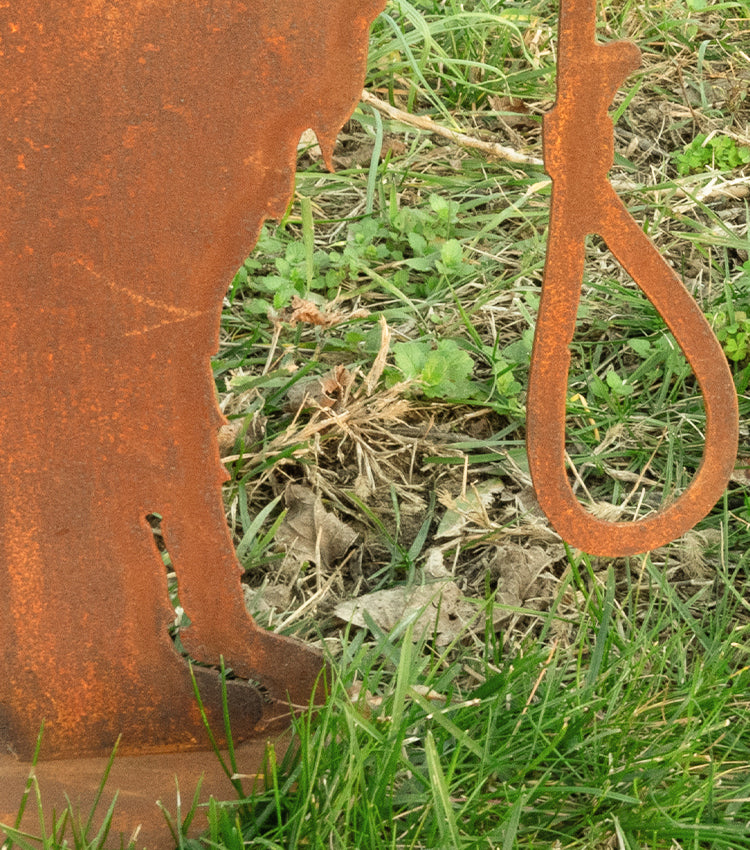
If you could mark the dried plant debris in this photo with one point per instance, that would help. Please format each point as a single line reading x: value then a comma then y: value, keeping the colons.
x: 448, y: 473
x: 302, y: 310
x: 469, y: 508
x: 245, y: 430
x: 310, y: 533
x: 522, y: 577
x: 438, y: 611
x: 328, y: 391
x: 229, y: 434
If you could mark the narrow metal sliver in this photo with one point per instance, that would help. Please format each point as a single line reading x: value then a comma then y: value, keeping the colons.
x: 578, y: 153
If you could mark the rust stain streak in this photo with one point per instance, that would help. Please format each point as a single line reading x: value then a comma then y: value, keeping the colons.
x: 178, y: 314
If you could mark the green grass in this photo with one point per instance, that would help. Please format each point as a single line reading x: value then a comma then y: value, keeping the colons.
x: 636, y: 729
x: 632, y: 729
x: 610, y: 708
x: 613, y: 712
x: 67, y: 828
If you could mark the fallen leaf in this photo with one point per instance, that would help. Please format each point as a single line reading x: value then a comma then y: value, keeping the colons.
x: 519, y: 569
x: 439, y: 609
x: 228, y: 436
x: 434, y: 564
x: 361, y: 154
x: 428, y: 693
x: 515, y: 113
x: 467, y: 508
x: 251, y: 431
x: 381, y: 360
x: 308, y: 143
x: 309, y: 313
x: 365, y: 701
x: 309, y: 532
x: 303, y: 310
x: 323, y: 391
x: 269, y: 597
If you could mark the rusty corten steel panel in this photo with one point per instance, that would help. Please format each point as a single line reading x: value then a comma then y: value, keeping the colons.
x: 143, y: 143
x: 578, y: 153
x: 136, y: 782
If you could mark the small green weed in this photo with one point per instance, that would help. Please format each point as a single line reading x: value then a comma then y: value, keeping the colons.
x: 416, y: 248
x: 719, y: 152
x: 734, y: 336
x: 441, y: 372
x: 731, y: 322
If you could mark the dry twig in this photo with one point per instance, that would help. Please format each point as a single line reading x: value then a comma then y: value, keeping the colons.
x: 462, y: 139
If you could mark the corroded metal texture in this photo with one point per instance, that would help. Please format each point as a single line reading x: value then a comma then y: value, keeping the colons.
x: 578, y: 152
x: 142, y: 145
x: 136, y: 782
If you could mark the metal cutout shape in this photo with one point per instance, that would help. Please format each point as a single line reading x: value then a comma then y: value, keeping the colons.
x: 143, y: 144
x: 578, y: 153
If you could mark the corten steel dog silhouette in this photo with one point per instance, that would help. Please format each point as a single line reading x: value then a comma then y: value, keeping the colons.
x: 143, y: 143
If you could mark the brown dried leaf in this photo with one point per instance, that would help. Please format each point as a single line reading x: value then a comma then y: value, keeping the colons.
x: 269, y: 597
x: 519, y: 569
x: 309, y: 532
x: 308, y: 312
x: 381, y: 360
x: 428, y: 693
x: 228, y: 435
x: 515, y: 111
x: 445, y: 613
x: 325, y: 391
x: 361, y: 154
x: 308, y: 143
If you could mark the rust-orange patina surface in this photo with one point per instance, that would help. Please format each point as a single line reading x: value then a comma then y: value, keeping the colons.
x: 578, y: 153
x: 143, y: 143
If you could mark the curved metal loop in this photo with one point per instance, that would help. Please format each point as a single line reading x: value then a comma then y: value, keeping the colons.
x: 578, y: 152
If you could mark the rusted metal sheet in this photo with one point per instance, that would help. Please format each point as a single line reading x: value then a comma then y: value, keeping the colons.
x: 135, y: 783
x: 578, y: 153
x: 142, y: 145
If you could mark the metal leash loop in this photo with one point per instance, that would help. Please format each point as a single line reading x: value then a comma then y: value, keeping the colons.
x: 578, y: 153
